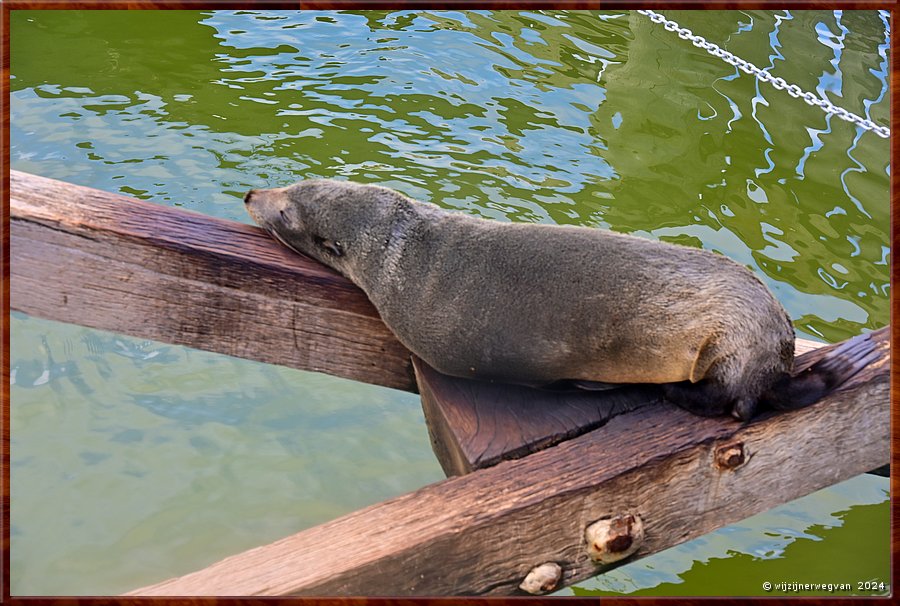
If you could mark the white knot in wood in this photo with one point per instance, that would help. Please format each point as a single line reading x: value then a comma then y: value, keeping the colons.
x: 615, y: 538
x: 542, y: 578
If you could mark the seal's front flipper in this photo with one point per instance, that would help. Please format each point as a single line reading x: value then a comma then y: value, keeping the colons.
x: 706, y: 398
x: 571, y: 385
x: 594, y: 385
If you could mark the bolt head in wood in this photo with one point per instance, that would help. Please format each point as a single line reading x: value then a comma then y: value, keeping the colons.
x: 542, y: 578
x: 731, y: 456
x: 615, y: 538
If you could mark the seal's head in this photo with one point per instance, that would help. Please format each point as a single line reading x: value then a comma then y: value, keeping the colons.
x: 328, y: 220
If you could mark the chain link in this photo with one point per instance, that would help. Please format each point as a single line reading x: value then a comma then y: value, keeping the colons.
x: 764, y: 76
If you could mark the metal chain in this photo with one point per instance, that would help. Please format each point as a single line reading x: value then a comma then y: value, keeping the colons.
x: 764, y: 76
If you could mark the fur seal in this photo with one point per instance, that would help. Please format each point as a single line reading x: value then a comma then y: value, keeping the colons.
x: 540, y: 304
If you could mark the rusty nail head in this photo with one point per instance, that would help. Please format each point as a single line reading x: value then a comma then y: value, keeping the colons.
x: 731, y: 456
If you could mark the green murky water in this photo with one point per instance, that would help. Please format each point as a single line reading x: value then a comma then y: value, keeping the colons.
x: 135, y: 461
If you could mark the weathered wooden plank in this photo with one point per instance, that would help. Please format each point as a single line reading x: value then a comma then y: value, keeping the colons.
x: 481, y: 533
x: 476, y: 424
x: 802, y: 346
x: 107, y: 261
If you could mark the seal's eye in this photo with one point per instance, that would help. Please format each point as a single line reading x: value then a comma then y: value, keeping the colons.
x: 283, y: 215
x: 332, y: 247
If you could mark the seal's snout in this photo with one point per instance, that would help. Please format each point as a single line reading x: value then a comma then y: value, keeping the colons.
x: 249, y: 195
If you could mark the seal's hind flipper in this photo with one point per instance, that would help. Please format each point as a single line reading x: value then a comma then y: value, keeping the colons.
x: 811, y: 384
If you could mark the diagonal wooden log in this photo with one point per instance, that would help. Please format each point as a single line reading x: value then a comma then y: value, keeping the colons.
x: 107, y: 261
x: 481, y: 533
x: 476, y: 424
x: 111, y: 262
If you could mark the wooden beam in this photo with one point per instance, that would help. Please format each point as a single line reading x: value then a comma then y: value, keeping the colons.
x: 476, y: 424
x: 107, y: 261
x: 682, y: 476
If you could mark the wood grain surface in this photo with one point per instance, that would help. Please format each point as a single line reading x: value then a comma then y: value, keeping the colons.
x: 476, y: 424
x: 115, y: 263
x: 481, y: 533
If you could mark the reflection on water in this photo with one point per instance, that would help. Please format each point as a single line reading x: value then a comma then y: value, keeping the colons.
x: 174, y: 458
x: 153, y: 460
